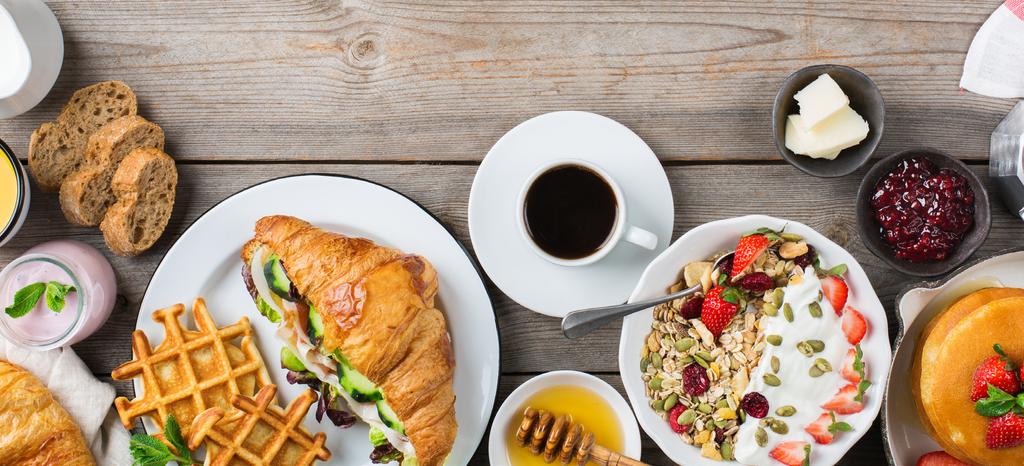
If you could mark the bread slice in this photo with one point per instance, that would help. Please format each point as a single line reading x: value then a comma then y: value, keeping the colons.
x: 85, y: 196
x: 145, y: 185
x: 57, y: 148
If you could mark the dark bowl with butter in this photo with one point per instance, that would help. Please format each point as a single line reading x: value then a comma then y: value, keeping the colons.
x: 922, y: 211
x: 865, y: 99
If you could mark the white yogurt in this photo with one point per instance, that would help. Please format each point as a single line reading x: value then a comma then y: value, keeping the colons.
x: 798, y: 389
x: 15, y: 62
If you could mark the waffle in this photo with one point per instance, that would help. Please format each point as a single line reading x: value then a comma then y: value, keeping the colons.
x: 259, y: 433
x: 191, y: 370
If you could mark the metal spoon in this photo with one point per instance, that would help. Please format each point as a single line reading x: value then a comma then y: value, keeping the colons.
x: 581, y: 322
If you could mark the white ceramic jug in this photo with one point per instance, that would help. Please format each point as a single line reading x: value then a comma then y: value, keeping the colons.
x: 31, y: 54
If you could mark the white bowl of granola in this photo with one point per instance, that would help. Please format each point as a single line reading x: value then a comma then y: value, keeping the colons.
x: 778, y: 359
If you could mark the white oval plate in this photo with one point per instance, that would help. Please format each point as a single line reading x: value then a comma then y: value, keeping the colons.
x: 905, y: 439
x: 721, y: 236
x: 205, y: 262
x: 511, y: 410
x: 505, y: 254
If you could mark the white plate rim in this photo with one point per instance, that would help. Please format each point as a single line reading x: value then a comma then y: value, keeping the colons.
x: 492, y: 393
x: 879, y: 335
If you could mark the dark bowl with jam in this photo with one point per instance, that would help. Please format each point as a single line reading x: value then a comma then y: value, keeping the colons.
x: 922, y: 211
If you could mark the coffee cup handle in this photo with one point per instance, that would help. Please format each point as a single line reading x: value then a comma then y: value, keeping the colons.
x: 641, y: 237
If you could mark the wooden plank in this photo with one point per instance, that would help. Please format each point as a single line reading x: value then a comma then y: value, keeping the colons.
x: 867, y: 452
x: 532, y: 343
x: 406, y: 80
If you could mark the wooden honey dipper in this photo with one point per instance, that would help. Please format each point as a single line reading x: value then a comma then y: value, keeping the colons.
x: 558, y: 437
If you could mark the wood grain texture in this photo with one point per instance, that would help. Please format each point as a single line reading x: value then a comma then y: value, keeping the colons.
x: 531, y: 343
x: 442, y: 80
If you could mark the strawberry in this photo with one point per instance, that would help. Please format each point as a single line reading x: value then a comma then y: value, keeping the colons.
x: 747, y: 251
x: 1006, y: 431
x: 939, y: 458
x: 836, y: 291
x: 720, y: 306
x: 854, y: 325
x: 819, y: 429
x: 853, y: 366
x: 996, y: 370
x: 846, y: 401
x: 791, y: 453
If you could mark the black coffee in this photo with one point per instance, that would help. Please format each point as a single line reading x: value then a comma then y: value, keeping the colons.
x: 570, y: 211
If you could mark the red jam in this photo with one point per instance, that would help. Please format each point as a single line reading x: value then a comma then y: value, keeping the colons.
x: 923, y: 212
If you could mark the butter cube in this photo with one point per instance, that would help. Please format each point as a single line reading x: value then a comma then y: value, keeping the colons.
x: 821, y: 99
x: 844, y: 129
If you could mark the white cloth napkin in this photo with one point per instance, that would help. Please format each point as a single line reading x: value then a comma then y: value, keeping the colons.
x: 995, y: 61
x: 87, y: 400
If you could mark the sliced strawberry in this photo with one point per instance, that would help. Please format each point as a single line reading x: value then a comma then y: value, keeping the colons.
x: 1006, y: 431
x: 853, y: 366
x: 845, y: 401
x: 996, y: 370
x: 939, y: 458
x: 819, y: 429
x: 747, y: 251
x: 854, y: 325
x: 836, y: 291
x: 720, y: 306
x: 790, y: 453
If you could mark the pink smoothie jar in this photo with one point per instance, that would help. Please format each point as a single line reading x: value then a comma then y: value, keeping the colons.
x: 85, y: 310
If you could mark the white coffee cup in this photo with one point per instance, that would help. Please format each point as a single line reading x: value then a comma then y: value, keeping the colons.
x: 621, y: 230
x: 31, y: 54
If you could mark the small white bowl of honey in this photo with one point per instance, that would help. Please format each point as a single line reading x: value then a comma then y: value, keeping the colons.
x: 577, y: 408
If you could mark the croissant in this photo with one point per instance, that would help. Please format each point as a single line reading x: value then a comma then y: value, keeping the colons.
x: 36, y: 429
x: 377, y: 319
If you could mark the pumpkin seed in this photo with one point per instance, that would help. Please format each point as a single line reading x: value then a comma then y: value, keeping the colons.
x: 741, y: 415
x: 658, y: 405
x: 721, y: 423
x: 772, y: 379
x: 687, y: 417
x: 791, y: 236
x: 671, y: 401
x: 787, y: 311
x: 815, y: 371
x: 701, y: 362
x: 655, y: 383
x: 786, y: 411
x: 706, y: 356
x: 644, y: 363
x: 684, y: 344
x: 685, y: 361
x: 822, y: 363
x: 775, y: 364
x: 779, y: 427
x: 770, y: 309
x: 727, y: 451
x: 705, y: 408
x: 774, y: 340
x: 761, y: 437
x: 805, y: 348
x: 777, y: 296
x: 815, y: 309
x: 817, y: 345
x: 656, y: 360
x: 723, y: 403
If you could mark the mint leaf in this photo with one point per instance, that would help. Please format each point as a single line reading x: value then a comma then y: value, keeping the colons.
x: 722, y: 278
x: 861, y: 388
x: 25, y: 299
x: 172, y: 432
x: 996, y: 404
x: 730, y: 295
x: 56, y: 292
x: 1020, y: 400
x: 998, y: 394
x: 838, y: 270
x: 148, y: 451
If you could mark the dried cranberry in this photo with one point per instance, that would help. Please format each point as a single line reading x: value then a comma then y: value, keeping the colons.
x: 755, y: 405
x: 691, y: 308
x: 725, y: 267
x: 695, y: 380
x: 758, y: 282
x: 673, y: 419
x: 807, y: 259
x: 719, y: 435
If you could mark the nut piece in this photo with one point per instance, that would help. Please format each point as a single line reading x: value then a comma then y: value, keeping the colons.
x: 693, y: 272
x: 791, y: 250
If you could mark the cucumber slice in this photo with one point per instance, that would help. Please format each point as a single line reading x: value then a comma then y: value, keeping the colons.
x: 277, y: 278
x: 389, y: 417
x: 315, y: 329
x: 377, y: 437
x: 266, y: 310
x: 355, y: 383
x: 290, y: 361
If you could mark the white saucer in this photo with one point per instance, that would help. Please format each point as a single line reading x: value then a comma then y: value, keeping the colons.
x: 523, y: 275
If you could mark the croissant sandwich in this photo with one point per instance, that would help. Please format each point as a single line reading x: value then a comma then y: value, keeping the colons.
x: 358, y: 323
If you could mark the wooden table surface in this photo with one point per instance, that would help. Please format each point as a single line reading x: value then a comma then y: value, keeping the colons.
x: 412, y: 95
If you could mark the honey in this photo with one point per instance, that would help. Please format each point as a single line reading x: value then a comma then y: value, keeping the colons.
x: 586, y: 408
